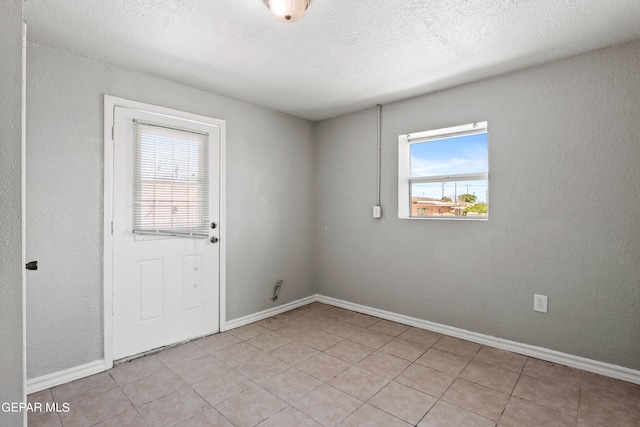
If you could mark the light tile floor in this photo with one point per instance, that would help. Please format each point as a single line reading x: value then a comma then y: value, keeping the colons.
x: 322, y: 365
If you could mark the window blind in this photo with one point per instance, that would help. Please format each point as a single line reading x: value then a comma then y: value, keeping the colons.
x: 171, y: 181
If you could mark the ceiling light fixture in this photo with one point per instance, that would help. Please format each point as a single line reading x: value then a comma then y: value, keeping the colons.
x: 288, y: 10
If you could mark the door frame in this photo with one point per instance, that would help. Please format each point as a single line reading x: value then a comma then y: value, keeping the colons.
x: 110, y: 102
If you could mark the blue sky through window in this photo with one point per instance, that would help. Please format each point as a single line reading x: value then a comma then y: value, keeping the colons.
x: 450, y: 156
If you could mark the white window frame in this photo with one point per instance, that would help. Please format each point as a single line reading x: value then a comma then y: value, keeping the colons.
x: 404, y: 167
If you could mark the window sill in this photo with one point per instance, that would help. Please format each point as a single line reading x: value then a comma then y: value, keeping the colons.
x: 447, y: 218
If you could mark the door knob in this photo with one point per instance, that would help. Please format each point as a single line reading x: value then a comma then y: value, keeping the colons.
x: 213, y: 240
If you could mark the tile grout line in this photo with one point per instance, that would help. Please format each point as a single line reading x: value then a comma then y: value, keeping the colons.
x: 132, y: 405
x: 411, y: 361
x: 411, y: 364
x: 287, y: 404
x: 458, y: 376
x: 327, y: 383
x: 173, y: 392
x: 211, y: 406
x: 512, y: 390
x: 579, y: 399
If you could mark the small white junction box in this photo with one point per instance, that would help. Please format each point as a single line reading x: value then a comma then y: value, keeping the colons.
x: 377, y: 211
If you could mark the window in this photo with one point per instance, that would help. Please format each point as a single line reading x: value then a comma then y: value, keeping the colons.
x: 444, y: 173
x: 171, y: 181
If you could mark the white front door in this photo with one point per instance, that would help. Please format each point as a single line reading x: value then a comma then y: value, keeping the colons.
x: 165, y: 275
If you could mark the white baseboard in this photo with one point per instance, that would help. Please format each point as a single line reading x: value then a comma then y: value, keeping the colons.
x: 630, y: 375
x: 241, y: 321
x: 606, y: 369
x: 44, y: 382
x: 61, y: 377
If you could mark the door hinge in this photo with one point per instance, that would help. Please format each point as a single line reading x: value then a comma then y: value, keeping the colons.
x: 112, y: 228
x: 112, y: 132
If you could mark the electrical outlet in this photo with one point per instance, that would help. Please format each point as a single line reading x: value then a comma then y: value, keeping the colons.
x: 540, y: 303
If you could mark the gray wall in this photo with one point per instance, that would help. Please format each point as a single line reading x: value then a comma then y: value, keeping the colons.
x: 564, y: 152
x: 564, y: 206
x: 269, y: 200
x: 11, y: 194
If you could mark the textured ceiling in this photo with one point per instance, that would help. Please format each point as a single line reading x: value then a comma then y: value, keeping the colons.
x: 342, y: 56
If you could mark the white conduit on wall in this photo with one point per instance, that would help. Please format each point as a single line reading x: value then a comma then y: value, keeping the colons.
x: 377, y: 210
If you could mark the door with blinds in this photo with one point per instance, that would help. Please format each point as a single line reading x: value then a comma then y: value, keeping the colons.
x: 165, y: 230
